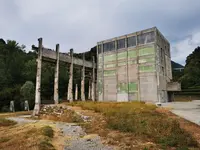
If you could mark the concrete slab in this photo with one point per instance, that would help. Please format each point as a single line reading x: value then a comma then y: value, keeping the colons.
x: 187, y: 110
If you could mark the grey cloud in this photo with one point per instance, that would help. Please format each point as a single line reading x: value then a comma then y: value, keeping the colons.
x: 80, y: 24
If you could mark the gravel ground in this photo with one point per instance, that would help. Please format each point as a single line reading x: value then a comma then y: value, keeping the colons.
x: 76, y: 138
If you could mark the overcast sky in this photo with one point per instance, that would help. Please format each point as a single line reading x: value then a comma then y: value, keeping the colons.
x: 80, y: 24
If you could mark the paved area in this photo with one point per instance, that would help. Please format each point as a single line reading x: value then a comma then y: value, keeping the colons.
x: 187, y: 110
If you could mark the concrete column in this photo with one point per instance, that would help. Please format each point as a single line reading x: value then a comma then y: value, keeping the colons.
x: 127, y: 76
x: 83, y: 80
x: 89, y: 90
x: 138, y: 72
x: 93, y: 92
x: 56, y: 77
x: 12, y: 106
x: 70, y: 90
x: 116, y: 62
x: 26, y: 106
x: 38, y: 79
x: 76, y: 92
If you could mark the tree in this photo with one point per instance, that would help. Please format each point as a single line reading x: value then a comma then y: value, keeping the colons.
x: 191, y: 77
x: 28, y: 93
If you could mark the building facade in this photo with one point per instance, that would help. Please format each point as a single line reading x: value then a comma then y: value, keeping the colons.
x: 135, y: 67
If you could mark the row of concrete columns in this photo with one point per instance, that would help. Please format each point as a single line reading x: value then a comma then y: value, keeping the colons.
x: 56, y: 79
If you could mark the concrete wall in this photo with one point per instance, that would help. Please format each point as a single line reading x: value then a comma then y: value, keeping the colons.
x: 127, y: 68
x: 163, y: 66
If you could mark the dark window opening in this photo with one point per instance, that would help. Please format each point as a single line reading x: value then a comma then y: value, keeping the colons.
x: 132, y: 41
x: 109, y: 46
x: 146, y: 38
x: 120, y: 43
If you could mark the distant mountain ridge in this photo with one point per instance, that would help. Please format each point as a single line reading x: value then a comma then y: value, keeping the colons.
x: 176, y: 65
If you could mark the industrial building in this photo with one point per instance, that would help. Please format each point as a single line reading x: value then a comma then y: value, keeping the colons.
x: 135, y: 67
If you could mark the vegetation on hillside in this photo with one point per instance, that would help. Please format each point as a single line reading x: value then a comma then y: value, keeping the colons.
x: 18, y: 75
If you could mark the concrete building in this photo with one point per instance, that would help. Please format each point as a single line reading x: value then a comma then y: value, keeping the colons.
x: 135, y: 67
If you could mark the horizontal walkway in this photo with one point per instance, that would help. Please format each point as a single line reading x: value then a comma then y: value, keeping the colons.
x: 187, y: 110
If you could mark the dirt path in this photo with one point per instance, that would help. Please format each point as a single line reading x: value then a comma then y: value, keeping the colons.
x: 69, y: 136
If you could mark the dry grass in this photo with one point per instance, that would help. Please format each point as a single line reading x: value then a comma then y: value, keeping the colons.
x: 6, y: 122
x: 22, y: 137
x: 3, y: 115
x: 142, y: 121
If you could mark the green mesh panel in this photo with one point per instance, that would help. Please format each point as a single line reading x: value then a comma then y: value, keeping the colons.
x: 109, y: 58
x: 132, y: 54
x: 132, y: 86
x: 100, y: 86
x: 143, y: 68
x: 146, y: 60
x: 109, y: 65
x: 132, y: 62
x: 146, y: 51
x: 122, y: 55
x: 109, y: 72
x: 121, y: 63
x: 122, y: 88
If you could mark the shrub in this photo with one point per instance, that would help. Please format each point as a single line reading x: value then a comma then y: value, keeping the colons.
x: 46, y: 145
x: 28, y: 93
x: 47, y: 131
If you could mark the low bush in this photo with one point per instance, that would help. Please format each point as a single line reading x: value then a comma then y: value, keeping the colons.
x: 45, y: 145
x: 47, y: 131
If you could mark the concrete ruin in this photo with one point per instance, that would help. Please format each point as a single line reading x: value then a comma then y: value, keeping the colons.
x: 45, y: 54
x: 135, y: 67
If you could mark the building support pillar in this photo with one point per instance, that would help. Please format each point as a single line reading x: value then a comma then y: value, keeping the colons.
x: 89, y: 90
x: 56, y: 77
x: 38, y: 79
x: 83, y: 80
x: 70, y: 85
x: 76, y: 92
x: 93, y: 80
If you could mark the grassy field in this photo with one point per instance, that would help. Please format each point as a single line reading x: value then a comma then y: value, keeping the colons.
x: 28, y: 136
x: 144, y: 121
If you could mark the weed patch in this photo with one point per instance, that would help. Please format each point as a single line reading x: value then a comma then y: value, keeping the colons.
x: 45, y: 144
x: 4, y: 139
x: 47, y: 131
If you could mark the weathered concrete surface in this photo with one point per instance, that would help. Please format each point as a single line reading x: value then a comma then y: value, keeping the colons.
x: 70, y: 84
x: 49, y: 54
x: 187, y: 110
x: 56, y: 77
x: 173, y: 86
x: 38, y: 80
x: 83, y: 80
